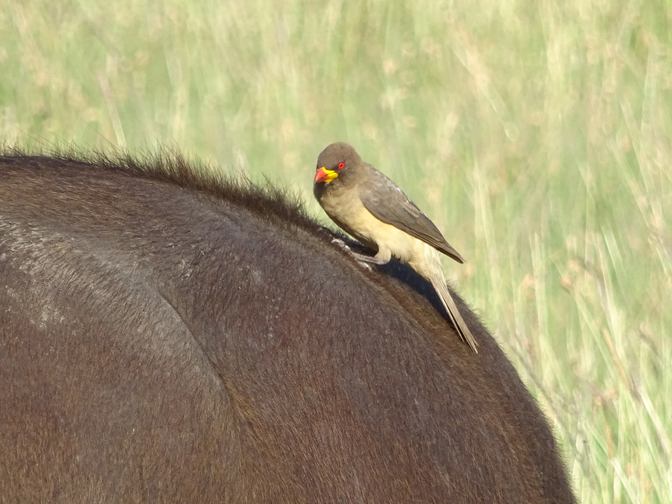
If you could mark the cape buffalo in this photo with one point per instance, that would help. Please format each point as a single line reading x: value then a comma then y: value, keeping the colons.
x: 169, y: 336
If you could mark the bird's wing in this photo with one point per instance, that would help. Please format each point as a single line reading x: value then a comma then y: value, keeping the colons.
x: 387, y: 202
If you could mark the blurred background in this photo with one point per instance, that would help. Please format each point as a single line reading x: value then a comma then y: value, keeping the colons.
x: 536, y: 135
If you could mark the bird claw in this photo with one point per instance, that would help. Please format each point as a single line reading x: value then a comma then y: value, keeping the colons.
x: 341, y: 244
x: 352, y: 253
x: 365, y: 265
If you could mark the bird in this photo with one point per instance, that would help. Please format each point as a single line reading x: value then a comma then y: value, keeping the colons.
x: 370, y: 207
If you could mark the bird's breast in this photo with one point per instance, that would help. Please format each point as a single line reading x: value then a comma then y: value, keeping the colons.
x: 350, y: 214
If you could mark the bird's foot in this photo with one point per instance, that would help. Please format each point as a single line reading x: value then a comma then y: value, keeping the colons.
x: 363, y: 264
x: 361, y: 259
x: 365, y: 259
x: 341, y: 244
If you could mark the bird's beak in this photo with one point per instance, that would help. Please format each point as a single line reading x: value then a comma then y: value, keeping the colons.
x: 324, y: 175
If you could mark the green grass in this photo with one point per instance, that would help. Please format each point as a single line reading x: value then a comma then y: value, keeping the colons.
x: 535, y: 134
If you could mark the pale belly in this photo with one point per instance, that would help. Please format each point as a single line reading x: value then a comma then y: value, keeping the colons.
x: 351, y: 216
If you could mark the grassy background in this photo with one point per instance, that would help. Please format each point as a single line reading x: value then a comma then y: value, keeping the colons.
x: 535, y: 134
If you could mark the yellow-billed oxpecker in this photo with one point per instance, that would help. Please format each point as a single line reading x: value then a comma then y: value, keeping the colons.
x: 369, y: 206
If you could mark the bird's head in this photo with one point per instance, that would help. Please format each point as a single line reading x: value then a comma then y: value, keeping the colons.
x: 335, y: 161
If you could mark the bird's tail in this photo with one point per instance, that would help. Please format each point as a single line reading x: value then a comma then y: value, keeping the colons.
x: 439, y: 284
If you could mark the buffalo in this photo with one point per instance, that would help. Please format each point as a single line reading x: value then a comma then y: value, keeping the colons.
x: 168, y: 335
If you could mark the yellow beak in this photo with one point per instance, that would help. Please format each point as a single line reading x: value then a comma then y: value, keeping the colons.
x: 324, y: 175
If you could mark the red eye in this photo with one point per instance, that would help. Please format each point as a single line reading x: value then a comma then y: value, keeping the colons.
x: 341, y: 165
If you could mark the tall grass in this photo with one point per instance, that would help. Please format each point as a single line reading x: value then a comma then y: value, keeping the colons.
x: 535, y: 134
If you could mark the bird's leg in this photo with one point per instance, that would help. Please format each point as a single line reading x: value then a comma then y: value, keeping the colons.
x: 361, y: 258
x: 382, y: 257
x: 341, y: 244
x: 368, y: 259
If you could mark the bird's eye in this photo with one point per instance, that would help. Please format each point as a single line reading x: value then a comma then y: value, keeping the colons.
x: 341, y: 165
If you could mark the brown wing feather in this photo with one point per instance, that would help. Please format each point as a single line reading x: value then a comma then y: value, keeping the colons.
x: 387, y: 202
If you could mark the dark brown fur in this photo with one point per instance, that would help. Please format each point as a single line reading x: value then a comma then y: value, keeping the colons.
x: 168, y: 337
